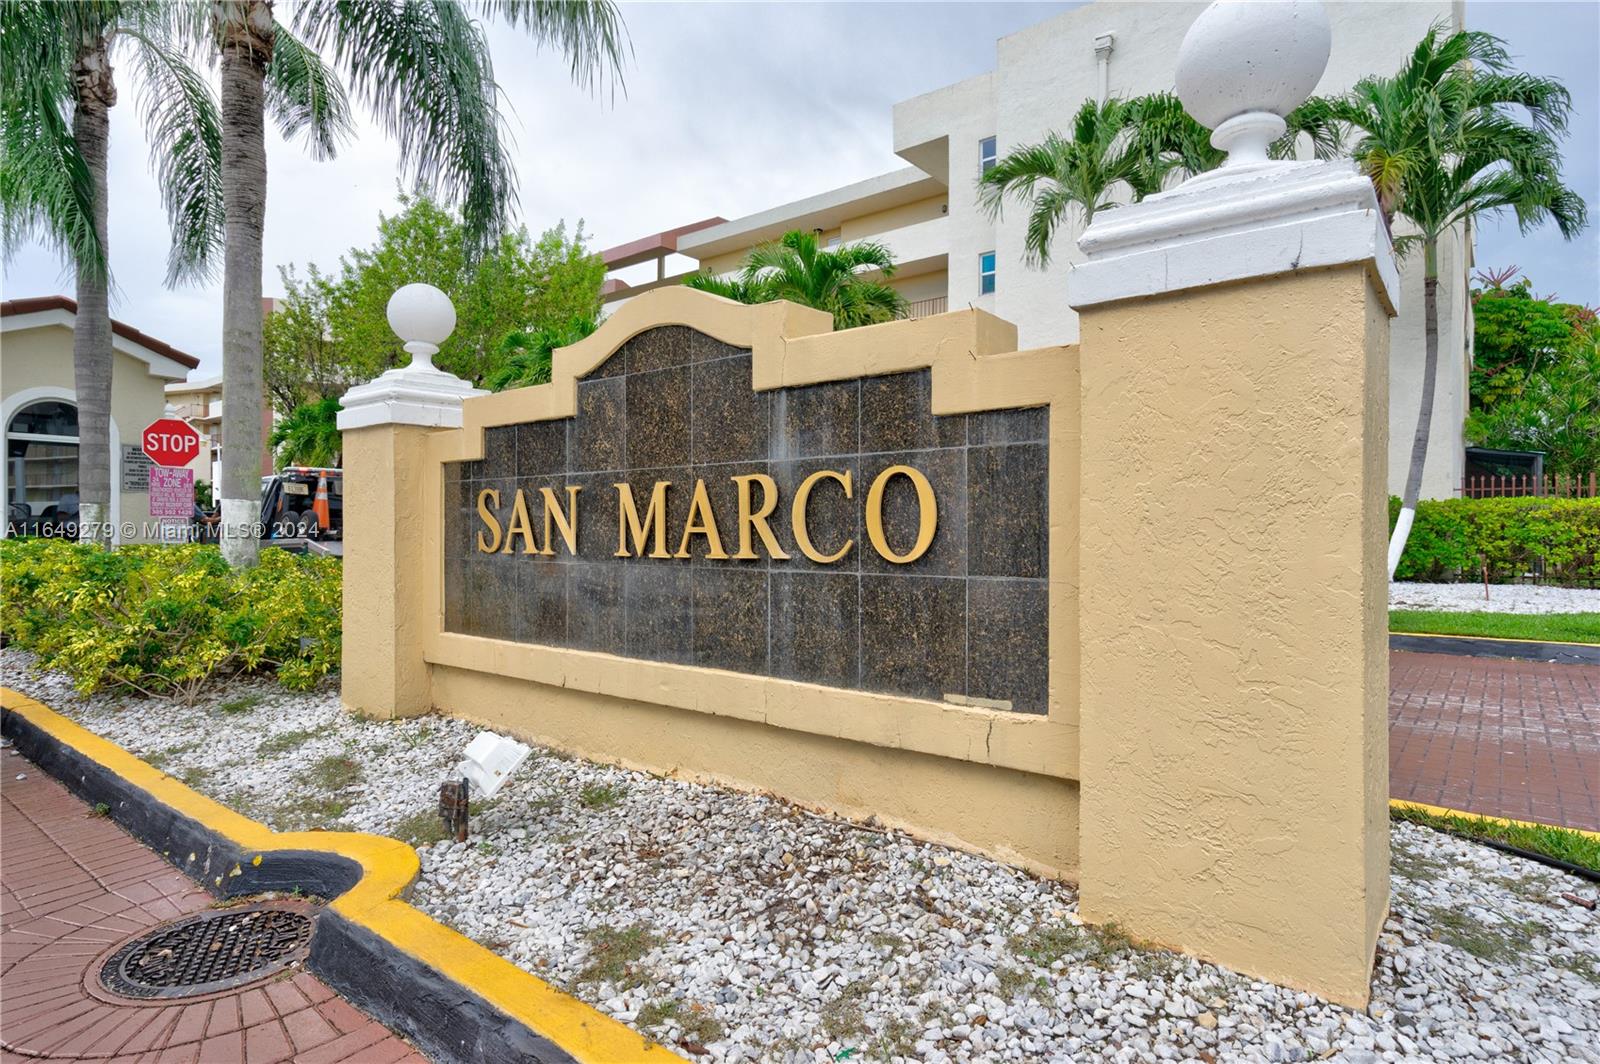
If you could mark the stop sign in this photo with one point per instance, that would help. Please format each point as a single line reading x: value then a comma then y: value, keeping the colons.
x: 170, y: 442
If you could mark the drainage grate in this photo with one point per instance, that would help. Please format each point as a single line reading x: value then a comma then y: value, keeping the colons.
x: 204, y: 954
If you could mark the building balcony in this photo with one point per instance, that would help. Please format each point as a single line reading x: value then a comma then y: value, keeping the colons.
x: 927, y: 308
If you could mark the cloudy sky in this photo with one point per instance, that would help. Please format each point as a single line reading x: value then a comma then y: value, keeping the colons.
x: 729, y: 109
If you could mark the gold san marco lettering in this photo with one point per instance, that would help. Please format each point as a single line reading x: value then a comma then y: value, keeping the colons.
x: 493, y: 538
x: 646, y: 535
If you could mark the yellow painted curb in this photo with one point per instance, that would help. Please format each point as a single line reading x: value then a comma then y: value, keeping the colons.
x: 388, y: 868
x: 1493, y: 639
x: 1439, y: 810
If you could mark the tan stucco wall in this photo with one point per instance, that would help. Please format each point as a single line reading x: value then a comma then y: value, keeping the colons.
x: 870, y: 225
x: 1234, y: 757
x: 42, y: 357
x: 382, y: 672
x: 1027, y: 819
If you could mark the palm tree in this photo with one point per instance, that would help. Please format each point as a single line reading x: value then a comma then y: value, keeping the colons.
x: 844, y: 281
x: 423, y: 69
x: 56, y: 93
x: 1453, y: 135
x: 1078, y: 174
x: 1120, y: 147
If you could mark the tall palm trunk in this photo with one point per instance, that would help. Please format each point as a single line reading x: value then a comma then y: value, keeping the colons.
x: 245, y: 30
x: 91, y: 333
x: 1430, y: 373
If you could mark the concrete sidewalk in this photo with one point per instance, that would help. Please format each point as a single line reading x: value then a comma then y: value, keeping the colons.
x: 1517, y: 739
x: 73, y: 886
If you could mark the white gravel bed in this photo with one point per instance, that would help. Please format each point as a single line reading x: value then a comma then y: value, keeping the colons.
x: 742, y: 928
x: 1503, y: 598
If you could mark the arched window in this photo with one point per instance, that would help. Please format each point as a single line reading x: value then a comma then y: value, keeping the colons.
x: 42, y: 459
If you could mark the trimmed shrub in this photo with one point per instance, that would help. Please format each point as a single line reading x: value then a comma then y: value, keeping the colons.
x: 164, y: 620
x: 1455, y: 539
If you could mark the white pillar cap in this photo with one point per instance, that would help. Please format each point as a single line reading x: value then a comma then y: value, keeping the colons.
x: 1242, y: 67
x: 417, y: 393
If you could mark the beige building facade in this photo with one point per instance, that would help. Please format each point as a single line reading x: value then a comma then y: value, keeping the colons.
x: 951, y: 254
x: 38, y: 407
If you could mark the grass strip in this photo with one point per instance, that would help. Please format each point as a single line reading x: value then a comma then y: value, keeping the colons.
x: 1544, y: 627
x: 1564, y: 844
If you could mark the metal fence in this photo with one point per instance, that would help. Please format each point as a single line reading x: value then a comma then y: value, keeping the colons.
x: 924, y: 308
x: 1552, y: 485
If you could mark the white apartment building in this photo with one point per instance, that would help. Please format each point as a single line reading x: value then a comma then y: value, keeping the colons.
x: 952, y: 255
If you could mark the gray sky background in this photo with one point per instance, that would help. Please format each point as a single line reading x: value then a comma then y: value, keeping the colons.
x: 730, y: 108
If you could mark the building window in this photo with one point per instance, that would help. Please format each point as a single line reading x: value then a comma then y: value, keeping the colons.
x: 986, y: 154
x: 986, y: 272
x: 42, y: 468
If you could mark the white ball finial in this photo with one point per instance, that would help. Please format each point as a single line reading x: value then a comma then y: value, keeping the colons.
x: 423, y: 317
x: 1244, y: 65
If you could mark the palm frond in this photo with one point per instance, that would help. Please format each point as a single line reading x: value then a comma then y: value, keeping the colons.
x: 424, y: 71
x: 184, y: 129
x: 590, y: 33
x: 305, y: 96
x: 46, y: 190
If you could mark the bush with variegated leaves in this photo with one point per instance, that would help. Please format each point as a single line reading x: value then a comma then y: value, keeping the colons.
x: 165, y: 620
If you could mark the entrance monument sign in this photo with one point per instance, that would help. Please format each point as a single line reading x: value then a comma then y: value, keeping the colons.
x: 1112, y: 612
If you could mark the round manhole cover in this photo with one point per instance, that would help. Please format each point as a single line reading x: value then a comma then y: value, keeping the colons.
x: 207, y: 953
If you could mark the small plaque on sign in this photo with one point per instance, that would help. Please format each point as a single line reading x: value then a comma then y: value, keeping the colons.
x: 136, y: 467
x: 171, y: 492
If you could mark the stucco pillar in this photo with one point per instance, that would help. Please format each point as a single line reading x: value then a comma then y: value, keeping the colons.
x: 384, y: 424
x: 1234, y: 763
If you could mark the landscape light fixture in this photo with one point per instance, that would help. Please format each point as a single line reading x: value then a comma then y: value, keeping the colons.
x: 490, y: 759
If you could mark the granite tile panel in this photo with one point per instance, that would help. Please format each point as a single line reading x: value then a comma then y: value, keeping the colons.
x: 1028, y: 425
x: 658, y: 418
x: 599, y: 432
x: 596, y: 610
x: 541, y: 448
x: 820, y: 419
x: 1009, y: 642
x: 730, y: 420
x: 896, y: 415
x: 814, y: 627
x: 543, y: 591
x: 730, y: 619
x: 1008, y: 510
x: 660, y: 610
x: 914, y: 635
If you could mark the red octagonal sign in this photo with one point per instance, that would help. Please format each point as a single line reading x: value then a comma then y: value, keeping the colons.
x: 170, y: 442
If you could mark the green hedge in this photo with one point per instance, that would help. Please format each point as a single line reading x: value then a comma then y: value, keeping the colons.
x: 164, y: 620
x: 1452, y: 539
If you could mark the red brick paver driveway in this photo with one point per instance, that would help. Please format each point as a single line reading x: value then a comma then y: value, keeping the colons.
x: 1515, y: 739
x: 72, y: 886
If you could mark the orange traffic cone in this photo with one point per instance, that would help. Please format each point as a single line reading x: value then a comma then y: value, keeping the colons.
x: 320, y: 505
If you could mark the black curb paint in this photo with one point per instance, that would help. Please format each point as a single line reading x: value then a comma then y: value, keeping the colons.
x: 1473, y: 647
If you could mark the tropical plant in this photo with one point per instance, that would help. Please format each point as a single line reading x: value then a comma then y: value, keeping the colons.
x: 424, y: 71
x: 1453, y: 135
x: 1076, y: 175
x: 525, y: 356
x: 1517, y: 336
x: 1556, y: 410
x: 1116, y: 148
x: 846, y: 281
x: 309, y: 434
x: 56, y: 93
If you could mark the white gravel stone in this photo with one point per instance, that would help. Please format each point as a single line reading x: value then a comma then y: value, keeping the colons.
x: 1503, y: 598
x: 767, y: 933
